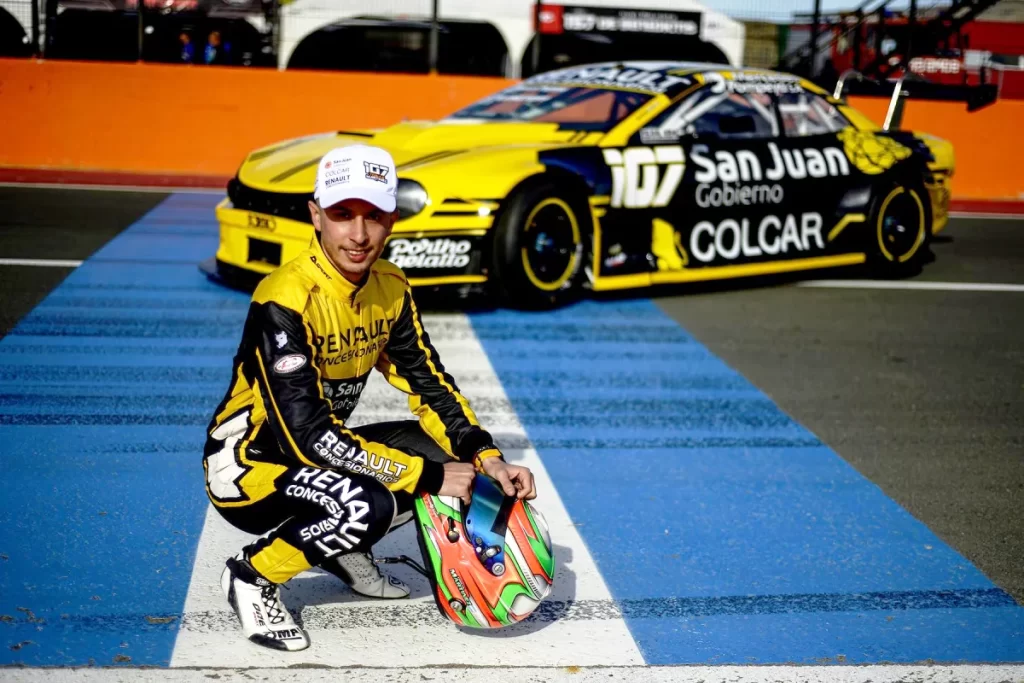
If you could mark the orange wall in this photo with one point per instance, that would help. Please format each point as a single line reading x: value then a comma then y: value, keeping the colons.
x: 196, y: 119
x: 203, y: 120
x: 988, y: 143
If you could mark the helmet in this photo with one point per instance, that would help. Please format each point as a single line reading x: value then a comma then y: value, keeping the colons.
x: 490, y: 565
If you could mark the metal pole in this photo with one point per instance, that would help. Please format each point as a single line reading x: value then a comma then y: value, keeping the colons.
x: 880, y: 34
x: 815, y: 22
x: 911, y: 29
x: 535, y: 48
x: 140, y: 4
x: 35, y: 28
x: 858, y: 32
x: 51, y: 22
x: 433, y: 39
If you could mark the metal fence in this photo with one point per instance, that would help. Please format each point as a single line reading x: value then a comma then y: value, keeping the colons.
x: 509, y: 38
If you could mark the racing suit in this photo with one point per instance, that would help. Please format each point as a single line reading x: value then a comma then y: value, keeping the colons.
x: 280, y: 460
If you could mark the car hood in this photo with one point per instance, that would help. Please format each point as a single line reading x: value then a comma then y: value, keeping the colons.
x: 290, y: 166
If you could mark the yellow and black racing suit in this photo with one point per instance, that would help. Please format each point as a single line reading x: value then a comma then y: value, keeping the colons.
x: 279, y: 458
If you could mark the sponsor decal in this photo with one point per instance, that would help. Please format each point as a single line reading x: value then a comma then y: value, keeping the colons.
x: 429, y: 253
x: 550, y: 19
x: 262, y: 222
x: 280, y: 339
x: 459, y: 585
x: 286, y: 634
x: 633, y: 78
x: 740, y: 82
x: 590, y: 19
x: 871, y: 154
x: 337, y: 494
x: 289, y: 363
x: 770, y: 236
x: 935, y: 65
x: 335, y: 348
x: 337, y: 175
x: 732, y: 195
x: 666, y: 246
x: 656, y: 136
x: 744, y: 165
x: 351, y: 457
x: 343, y: 395
x: 378, y: 172
x: 319, y: 267
x: 644, y: 177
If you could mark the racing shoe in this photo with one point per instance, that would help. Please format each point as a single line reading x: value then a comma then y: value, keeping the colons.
x: 257, y: 602
x: 361, y: 574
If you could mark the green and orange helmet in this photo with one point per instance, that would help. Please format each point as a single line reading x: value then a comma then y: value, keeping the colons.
x: 490, y: 565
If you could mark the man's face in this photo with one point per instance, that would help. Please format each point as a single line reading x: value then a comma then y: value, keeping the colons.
x: 352, y: 233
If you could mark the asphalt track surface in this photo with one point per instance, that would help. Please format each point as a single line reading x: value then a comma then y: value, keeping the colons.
x: 921, y: 391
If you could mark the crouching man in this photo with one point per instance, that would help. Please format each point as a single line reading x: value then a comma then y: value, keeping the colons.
x: 280, y: 461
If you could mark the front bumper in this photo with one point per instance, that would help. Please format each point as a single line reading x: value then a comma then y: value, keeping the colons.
x: 433, y: 250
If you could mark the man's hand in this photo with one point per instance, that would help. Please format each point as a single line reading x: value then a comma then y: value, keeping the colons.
x: 515, y: 480
x: 458, y: 481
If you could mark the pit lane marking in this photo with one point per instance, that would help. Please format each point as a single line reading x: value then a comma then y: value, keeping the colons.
x: 922, y: 285
x: 46, y: 263
x: 987, y: 215
x: 831, y: 673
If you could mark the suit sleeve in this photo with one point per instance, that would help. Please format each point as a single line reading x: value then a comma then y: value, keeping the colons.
x: 301, y: 417
x: 411, y: 364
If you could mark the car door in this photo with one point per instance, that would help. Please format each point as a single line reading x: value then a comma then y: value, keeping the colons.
x: 727, y: 185
x: 823, y: 185
x: 683, y: 187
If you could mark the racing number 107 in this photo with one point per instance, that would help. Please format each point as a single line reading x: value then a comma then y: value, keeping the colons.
x: 635, y: 175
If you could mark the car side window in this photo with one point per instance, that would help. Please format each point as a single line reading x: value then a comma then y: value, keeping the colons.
x: 804, y: 113
x: 726, y: 115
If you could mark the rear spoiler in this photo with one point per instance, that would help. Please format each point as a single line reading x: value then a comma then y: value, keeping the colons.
x: 911, y: 85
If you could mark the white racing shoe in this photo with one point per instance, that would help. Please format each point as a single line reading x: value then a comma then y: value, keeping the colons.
x: 257, y: 602
x: 361, y: 574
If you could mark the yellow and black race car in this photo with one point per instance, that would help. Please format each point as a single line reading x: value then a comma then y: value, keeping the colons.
x: 618, y: 175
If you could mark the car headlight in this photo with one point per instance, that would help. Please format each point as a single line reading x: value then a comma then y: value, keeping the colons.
x: 411, y: 198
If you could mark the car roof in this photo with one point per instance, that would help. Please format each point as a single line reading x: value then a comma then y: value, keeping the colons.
x: 650, y: 76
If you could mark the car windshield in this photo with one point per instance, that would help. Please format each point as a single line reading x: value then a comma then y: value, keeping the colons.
x: 591, y: 109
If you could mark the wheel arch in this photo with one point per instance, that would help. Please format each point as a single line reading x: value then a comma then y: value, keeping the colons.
x: 574, y: 190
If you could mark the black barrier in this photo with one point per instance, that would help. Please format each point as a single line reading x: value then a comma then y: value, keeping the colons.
x: 19, y: 28
x: 217, y: 32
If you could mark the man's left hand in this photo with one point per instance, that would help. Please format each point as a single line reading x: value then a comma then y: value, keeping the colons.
x: 515, y: 480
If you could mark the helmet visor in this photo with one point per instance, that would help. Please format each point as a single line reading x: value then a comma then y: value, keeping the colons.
x: 486, y: 522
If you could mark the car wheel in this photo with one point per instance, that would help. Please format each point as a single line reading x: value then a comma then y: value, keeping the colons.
x: 539, y: 246
x: 899, y: 231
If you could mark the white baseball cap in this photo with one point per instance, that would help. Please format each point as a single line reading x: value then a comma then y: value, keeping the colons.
x: 357, y: 172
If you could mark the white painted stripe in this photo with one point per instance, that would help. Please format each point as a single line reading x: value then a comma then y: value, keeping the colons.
x: 117, y: 188
x: 43, y: 262
x: 348, y: 630
x: 987, y: 216
x: 915, y: 284
x: 994, y: 673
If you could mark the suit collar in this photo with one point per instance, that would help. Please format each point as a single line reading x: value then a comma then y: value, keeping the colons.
x: 320, y: 268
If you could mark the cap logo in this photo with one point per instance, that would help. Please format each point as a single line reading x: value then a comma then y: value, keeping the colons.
x: 377, y: 172
x: 327, y: 164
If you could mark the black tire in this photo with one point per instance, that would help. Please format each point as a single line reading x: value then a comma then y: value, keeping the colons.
x: 899, y: 231
x: 539, y: 245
